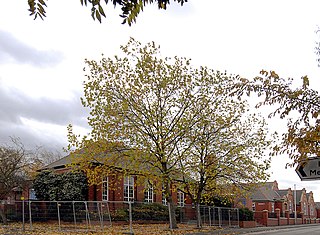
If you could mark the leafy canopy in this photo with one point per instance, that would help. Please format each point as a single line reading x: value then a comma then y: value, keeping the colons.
x: 299, y: 104
x: 163, y: 111
x: 130, y: 8
x: 147, y: 103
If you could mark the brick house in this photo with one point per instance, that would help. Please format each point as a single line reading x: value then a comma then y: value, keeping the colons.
x: 268, y: 196
x: 317, y: 204
x: 117, y: 187
x: 263, y: 197
x: 311, y: 206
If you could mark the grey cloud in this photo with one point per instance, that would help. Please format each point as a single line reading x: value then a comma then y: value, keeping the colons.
x: 13, y: 49
x: 29, y: 138
x: 15, y: 105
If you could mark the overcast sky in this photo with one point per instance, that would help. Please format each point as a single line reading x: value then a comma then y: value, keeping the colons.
x: 41, y: 62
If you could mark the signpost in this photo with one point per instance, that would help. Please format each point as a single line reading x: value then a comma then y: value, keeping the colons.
x: 309, y: 170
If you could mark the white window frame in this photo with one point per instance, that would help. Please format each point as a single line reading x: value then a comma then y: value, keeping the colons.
x: 272, y: 207
x: 164, y: 199
x: 128, y: 188
x: 180, y: 196
x: 105, y: 188
x: 148, y: 193
x: 253, y: 206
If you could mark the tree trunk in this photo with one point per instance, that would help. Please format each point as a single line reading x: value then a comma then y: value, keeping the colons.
x: 3, y: 216
x: 198, y: 215
x: 171, y: 207
x: 172, y: 214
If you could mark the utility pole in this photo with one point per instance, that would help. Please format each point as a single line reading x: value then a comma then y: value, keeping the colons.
x: 295, y: 204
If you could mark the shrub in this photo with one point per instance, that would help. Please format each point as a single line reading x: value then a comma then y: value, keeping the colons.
x: 245, y: 214
x: 153, y: 211
x: 69, y: 186
x: 119, y: 215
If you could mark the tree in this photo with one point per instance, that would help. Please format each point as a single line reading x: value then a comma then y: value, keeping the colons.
x: 130, y: 8
x: 317, y: 48
x: 226, y: 154
x: 46, y: 156
x: 69, y: 186
x: 299, y: 104
x: 176, y: 122
x: 146, y: 103
x: 15, y: 165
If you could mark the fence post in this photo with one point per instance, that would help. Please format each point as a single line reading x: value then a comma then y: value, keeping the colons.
x: 213, y: 215
x: 99, y: 208
x: 74, y: 215
x: 219, y: 216
x: 209, y: 215
x: 130, y: 217
x: 170, y: 219
x: 102, y: 217
x: 229, y: 215
x: 238, y: 217
x: 30, y: 215
x: 87, y: 216
x: 23, y: 225
x: 58, y: 210
x: 108, y: 211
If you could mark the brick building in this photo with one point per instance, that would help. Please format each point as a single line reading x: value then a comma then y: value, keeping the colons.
x: 117, y: 187
x: 268, y: 196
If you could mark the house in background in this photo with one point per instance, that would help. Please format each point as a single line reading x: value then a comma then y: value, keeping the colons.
x: 265, y: 197
x: 268, y: 197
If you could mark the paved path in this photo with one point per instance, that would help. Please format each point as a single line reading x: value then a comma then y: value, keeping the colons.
x: 266, y: 230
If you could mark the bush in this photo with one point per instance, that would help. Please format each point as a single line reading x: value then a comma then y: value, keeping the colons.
x: 152, y: 211
x: 245, y: 214
x: 69, y: 186
x: 119, y: 215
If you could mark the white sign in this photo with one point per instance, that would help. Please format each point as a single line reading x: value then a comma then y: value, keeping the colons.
x: 309, y: 170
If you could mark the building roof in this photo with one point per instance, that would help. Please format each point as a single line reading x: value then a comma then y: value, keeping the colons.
x: 110, y: 156
x: 61, y: 163
x: 116, y: 158
x: 266, y: 192
x: 282, y: 192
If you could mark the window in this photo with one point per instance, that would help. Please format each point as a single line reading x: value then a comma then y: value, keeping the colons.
x: 272, y: 206
x: 243, y: 201
x: 180, y: 195
x: 128, y: 194
x: 164, y: 200
x: 305, y: 208
x: 32, y: 194
x: 290, y: 207
x: 105, y: 187
x: 148, y: 193
x: 253, y: 206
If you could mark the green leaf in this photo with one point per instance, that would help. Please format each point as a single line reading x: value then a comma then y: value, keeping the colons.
x: 101, y: 10
x: 98, y: 16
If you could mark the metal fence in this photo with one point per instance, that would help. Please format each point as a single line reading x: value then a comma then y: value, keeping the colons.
x: 99, y: 216
x: 219, y: 216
